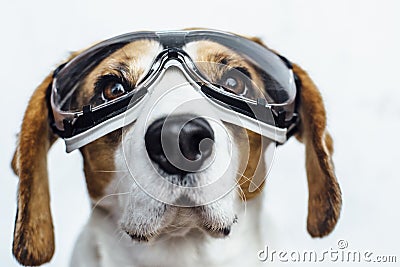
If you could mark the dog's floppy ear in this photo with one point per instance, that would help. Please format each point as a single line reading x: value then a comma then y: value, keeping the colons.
x: 33, y: 233
x: 324, y: 200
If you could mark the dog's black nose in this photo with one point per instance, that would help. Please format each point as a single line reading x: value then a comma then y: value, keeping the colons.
x: 179, y: 144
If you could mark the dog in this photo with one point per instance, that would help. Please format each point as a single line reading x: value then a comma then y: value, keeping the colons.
x: 134, y: 221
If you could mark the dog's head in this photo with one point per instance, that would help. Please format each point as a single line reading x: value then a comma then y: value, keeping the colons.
x: 186, y: 186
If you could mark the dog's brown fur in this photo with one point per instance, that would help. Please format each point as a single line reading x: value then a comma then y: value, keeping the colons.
x: 98, y: 164
x: 33, y: 236
x: 324, y: 200
x: 255, y: 168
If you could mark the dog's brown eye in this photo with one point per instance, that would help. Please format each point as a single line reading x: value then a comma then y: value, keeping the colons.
x: 233, y: 81
x: 113, y: 90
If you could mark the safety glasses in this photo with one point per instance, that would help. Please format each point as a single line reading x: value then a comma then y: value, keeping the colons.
x: 246, y: 83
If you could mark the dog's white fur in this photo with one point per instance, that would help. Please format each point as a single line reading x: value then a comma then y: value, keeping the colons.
x: 137, y: 194
x: 100, y: 244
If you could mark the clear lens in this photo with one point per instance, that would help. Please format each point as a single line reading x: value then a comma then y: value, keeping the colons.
x: 240, y: 82
x: 102, y: 74
x: 278, y: 82
x: 111, y: 71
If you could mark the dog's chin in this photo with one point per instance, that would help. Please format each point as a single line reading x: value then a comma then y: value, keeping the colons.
x: 182, y: 222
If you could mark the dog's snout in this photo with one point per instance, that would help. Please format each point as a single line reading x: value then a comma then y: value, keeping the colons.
x: 179, y: 144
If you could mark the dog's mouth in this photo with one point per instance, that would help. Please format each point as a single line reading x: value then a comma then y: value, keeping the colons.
x: 184, y: 222
x: 172, y: 232
x: 181, y: 233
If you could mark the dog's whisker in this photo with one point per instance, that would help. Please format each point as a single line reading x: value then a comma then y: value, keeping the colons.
x: 119, y: 182
x: 247, y: 179
x: 243, y: 198
x: 120, y: 235
x: 107, y: 196
x: 108, y: 171
x: 242, y: 194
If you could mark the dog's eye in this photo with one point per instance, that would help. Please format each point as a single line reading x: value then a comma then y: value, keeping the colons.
x: 233, y: 82
x: 113, y: 90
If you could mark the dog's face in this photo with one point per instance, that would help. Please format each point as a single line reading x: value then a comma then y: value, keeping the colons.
x: 152, y: 188
x: 156, y: 195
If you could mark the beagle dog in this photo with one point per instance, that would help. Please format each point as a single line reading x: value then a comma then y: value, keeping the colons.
x: 145, y: 212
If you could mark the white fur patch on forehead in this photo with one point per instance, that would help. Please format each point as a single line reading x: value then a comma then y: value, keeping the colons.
x: 173, y: 93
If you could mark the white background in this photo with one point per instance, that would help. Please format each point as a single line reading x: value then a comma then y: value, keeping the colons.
x: 350, y: 48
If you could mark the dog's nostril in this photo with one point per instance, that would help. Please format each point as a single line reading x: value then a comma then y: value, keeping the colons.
x: 196, y: 139
x: 179, y: 144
